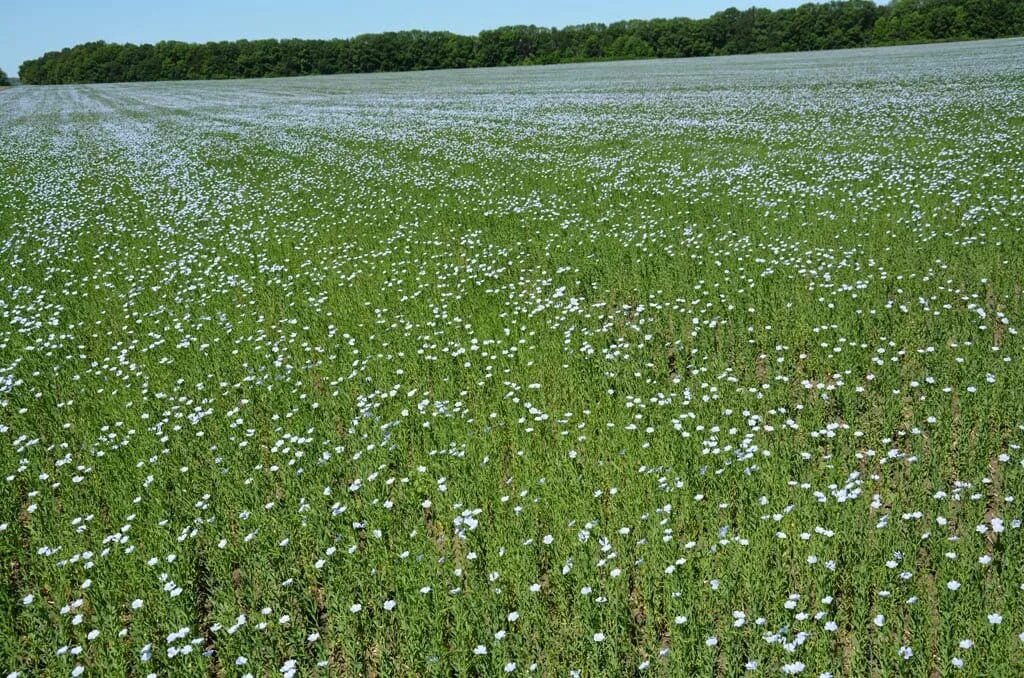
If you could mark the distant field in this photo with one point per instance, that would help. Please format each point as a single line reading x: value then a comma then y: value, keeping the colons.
x: 678, y: 367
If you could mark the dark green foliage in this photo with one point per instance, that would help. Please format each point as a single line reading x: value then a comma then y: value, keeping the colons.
x: 3, y: 79
x: 832, y: 25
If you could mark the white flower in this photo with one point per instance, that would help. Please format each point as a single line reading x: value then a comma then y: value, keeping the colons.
x: 480, y: 650
x: 793, y: 668
x: 513, y: 616
x: 389, y: 605
x: 906, y: 652
x: 27, y: 600
x: 599, y: 637
x: 995, y: 619
x: 953, y: 585
x: 510, y: 667
x: 548, y: 539
x: 879, y: 620
x: 356, y: 607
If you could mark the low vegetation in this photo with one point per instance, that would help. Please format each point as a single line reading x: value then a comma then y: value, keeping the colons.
x: 679, y: 367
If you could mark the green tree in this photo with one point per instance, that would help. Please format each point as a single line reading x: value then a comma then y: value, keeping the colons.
x: 829, y: 25
x: 630, y: 47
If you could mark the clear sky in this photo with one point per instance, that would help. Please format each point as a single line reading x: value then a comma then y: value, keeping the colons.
x: 28, y: 28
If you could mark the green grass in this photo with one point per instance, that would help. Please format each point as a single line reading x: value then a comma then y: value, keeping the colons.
x: 738, y: 335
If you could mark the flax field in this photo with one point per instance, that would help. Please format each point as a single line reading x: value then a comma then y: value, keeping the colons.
x: 678, y: 367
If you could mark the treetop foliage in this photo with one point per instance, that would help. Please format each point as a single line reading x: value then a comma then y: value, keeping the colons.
x: 832, y: 25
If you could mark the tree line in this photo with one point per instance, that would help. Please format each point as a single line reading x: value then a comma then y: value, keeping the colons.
x: 813, y: 26
x: 3, y: 79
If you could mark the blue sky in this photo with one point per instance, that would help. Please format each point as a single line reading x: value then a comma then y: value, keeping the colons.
x: 28, y: 28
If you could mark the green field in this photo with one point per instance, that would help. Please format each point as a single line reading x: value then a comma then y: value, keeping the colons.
x: 677, y: 367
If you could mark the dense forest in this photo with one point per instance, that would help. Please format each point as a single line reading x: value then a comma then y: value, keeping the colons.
x: 833, y: 25
x: 3, y: 79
